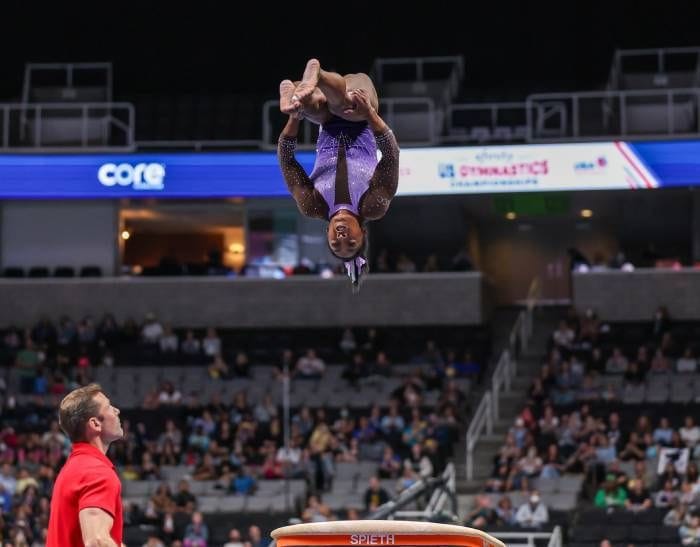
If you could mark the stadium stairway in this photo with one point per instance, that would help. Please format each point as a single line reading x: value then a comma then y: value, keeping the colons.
x: 545, y: 320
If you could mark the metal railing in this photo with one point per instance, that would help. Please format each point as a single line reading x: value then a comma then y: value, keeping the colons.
x: 598, y: 115
x: 488, y: 411
x: 413, y: 119
x: 501, y: 381
x: 659, y: 60
x: 483, y: 419
x: 483, y: 122
x: 69, y: 72
x: 528, y: 539
x: 419, y: 66
x: 62, y: 126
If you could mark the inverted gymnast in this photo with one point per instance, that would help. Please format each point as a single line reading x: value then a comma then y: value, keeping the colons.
x: 348, y: 185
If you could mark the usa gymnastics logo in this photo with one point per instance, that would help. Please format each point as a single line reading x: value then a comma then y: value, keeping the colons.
x: 597, y: 165
x: 446, y: 170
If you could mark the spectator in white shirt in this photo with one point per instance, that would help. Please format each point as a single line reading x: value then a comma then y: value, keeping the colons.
x: 310, y: 365
x: 234, y: 538
x: 690, y: 433
x: 168, y: 341
x: 688, y: 362
x: 533, y: 513
x: 152, y: 330
x: 211, y: 343
x: 564, y: 336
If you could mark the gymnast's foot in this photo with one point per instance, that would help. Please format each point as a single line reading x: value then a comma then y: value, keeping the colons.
x: 308, y: 83
x: 286, y: 93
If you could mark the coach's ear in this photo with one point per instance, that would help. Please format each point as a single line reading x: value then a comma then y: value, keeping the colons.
x: 95, y: 423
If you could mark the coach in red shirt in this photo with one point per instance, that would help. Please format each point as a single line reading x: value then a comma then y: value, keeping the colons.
x: 86, y: 506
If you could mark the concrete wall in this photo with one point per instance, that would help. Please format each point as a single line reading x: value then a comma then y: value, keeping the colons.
x: 389, y: 299
x: 634, y: 296
x: 65, y: 233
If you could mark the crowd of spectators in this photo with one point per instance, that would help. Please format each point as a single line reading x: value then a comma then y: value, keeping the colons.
x: 575, y: 422
x: 232, y: 441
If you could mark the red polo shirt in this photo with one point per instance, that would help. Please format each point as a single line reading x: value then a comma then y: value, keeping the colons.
x: 88, y: 479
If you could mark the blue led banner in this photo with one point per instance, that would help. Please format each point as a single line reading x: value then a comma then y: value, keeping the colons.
x: 423, y: 171
x: 205, y: 175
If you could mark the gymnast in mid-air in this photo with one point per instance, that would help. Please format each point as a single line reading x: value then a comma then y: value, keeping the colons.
x: 348, y: 185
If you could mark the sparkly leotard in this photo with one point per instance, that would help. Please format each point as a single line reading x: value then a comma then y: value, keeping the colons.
x: 346, y: 174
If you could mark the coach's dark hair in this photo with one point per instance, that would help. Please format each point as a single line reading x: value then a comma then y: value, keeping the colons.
x: 76, y: 409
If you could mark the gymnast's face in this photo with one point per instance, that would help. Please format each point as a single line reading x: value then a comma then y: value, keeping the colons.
x: 345, y: 235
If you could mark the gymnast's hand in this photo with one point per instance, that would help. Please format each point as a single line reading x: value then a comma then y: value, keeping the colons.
x: 362, y: 107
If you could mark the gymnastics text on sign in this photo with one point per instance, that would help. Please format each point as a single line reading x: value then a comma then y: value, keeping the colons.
x: 372, y: 539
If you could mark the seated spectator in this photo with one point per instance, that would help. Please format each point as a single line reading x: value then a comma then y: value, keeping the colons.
x: 505, y: 512
x: 533, y: 513
x: 690, y: 433
x: 375, y: 495
x: 206, y: 470
x: 467, y: 367
x: 197, y: 532
x: 234, y: 538
x: 530, y: 465
x: 168, y: 395
x: 563, y: 337
x: 431, y: 264
x: 381, y: 365
x: 667, y: 496
x: 461, y: 261
x: 168, y: 341
x: 610, y: 494
x: 243, y: 481
x: 616, y: 363
x: 660, y: 363
x: 190, y: 345
x: 355, y: 370
x: 183, y: 498
x: 218, y: 369
x: 241, y: 365
x: 152, y: 330
x: 690, y: 532
x: 638, y: 498
x: 211, y: 343
x: 687, y: 362
x: 419, y: 462
x: 255, y: 538
x: 347, y: 344
x: 633, y: 375
x: 153, y: 541
x: 404, y: 264
x: 390, y: 466
x: 309, y: 366
x: 635, y: 449
x: 676, y: 515
x: 590, y: 327
x: 589, y: 390
x: 161, y: 501
x: 483, y: 515
x: 501, y: 480
x: 663, y: 433
x: 316, y: 511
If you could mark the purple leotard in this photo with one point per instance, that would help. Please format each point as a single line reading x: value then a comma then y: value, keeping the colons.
x: 370, y: 184
x: 360, y: 147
